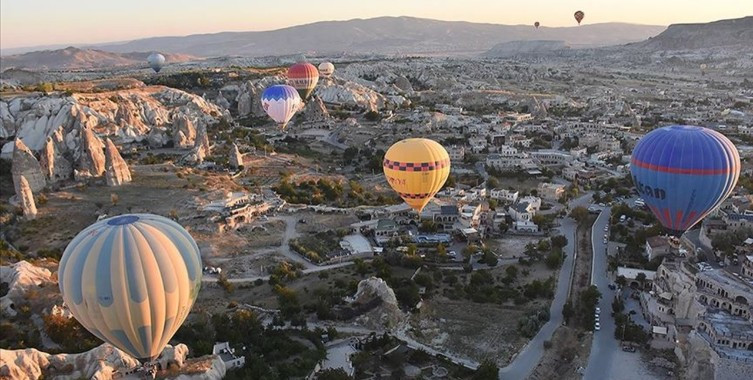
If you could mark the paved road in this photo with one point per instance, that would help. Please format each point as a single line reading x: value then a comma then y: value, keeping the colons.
x: 527, y: 359
x: 604, y: 346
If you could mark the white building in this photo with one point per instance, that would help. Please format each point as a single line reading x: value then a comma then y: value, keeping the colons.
x: 457, y: 153
x: 551, y: 191
x: 505, y: 195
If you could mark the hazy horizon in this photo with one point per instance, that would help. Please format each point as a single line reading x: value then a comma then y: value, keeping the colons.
x: 114, y: 22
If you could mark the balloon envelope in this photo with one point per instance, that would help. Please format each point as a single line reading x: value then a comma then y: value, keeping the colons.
x: 280, y: 102
x: 303, y: 77
x: 326, y: 69
x: 683, y: 173
x: 131, y: 280
x: 579, y: 16
x: 416, y: 169
x: 156, y: 61
x: 536, y: 24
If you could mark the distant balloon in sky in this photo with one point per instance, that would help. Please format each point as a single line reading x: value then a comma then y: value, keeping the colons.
x: 156, y: 61
x: 303, y: 77
x: 537, y: 24
x: 131, y: 280
x: 579, y: 16
x: 683, y: 173
x: 281, y: 102
x: 326, y: 69
x: 416, y: 169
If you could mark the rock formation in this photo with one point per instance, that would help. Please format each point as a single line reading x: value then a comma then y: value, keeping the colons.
x: 91, y: 159
x: 388, y: 313
x: 21, y: 277
x: 236, y: 158
x: 249, y: 96
x: 117, y: 171
x: 130, y: 115
x: 403, y: 84
x: 202, y: 141
x: 104, y: 362
x: 26, y: 165
x: 314, y: 110
x: 26, y: 199
x: 55, y: 166
x: 183, y: 125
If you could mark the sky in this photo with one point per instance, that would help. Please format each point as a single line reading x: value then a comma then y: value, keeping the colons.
x: 26, y: 23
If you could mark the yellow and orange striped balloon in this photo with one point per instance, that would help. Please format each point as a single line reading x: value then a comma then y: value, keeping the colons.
x: 416, y: 169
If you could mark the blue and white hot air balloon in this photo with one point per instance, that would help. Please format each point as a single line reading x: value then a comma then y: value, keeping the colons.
x: 156, y: 61
x: 281, y: 102
x: 131, y: 280
x: 683, y: 173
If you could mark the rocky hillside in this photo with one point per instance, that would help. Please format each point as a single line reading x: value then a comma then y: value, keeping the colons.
x: 72, y: 58
x: 736, y: 32
x: 384, y: 35
x: 147, y: 113
x: 104, y: 362
x: 515, y: 48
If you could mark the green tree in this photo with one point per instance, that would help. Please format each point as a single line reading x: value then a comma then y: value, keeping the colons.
x: 580, y: 214
x: 488, y: 370
x: 621, y: 281
x: 512, y: 272
x: 333, y: 374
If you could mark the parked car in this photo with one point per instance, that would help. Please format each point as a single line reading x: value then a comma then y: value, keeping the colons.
x: 628, y: 348
x: 598, y: 310
x: 597, y: 327
x: 606, y: 228
x: 596, y: 318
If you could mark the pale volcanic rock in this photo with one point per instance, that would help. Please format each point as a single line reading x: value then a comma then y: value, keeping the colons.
x: 181, y: 141
x: 91, y: 162
x: 117, y: 171
x: 183, y: 124
x: 403, y: 84
x: 202, y: 140
x: 314, y: 110
x: 236, y: 158
x: 55, y: 166
x: 24, y: 164
x: 388, y: 313
x: 126, y: 116
x: 21, y: 277
x: 26, y: 199
x: 104, y: 362
x: 249, y: 95
x: 352, y: 94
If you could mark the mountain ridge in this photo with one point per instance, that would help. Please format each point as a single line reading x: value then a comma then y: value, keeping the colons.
x: 382, y: 35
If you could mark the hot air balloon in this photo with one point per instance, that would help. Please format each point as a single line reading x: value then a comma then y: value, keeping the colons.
x: 416, y: 169
x: 536, y: 24
x: 156, y: 61
x: 131, y: 280
x: 303, y: 77
x: 326, y: 69
x: 579, y: 16
x: 703, y: 68
x: 683, y: 173
x: 280, y: 102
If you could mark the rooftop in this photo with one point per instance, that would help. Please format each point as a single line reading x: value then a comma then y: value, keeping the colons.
x: 448, y: 210
x: 729, y: 325
x: 657, y: 242
x: 632, y: 273
x: 725, y: 278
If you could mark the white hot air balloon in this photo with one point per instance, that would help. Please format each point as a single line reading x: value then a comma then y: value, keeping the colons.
x: 326, y: 69
x: 131, y: 280
x: 156, y: 61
